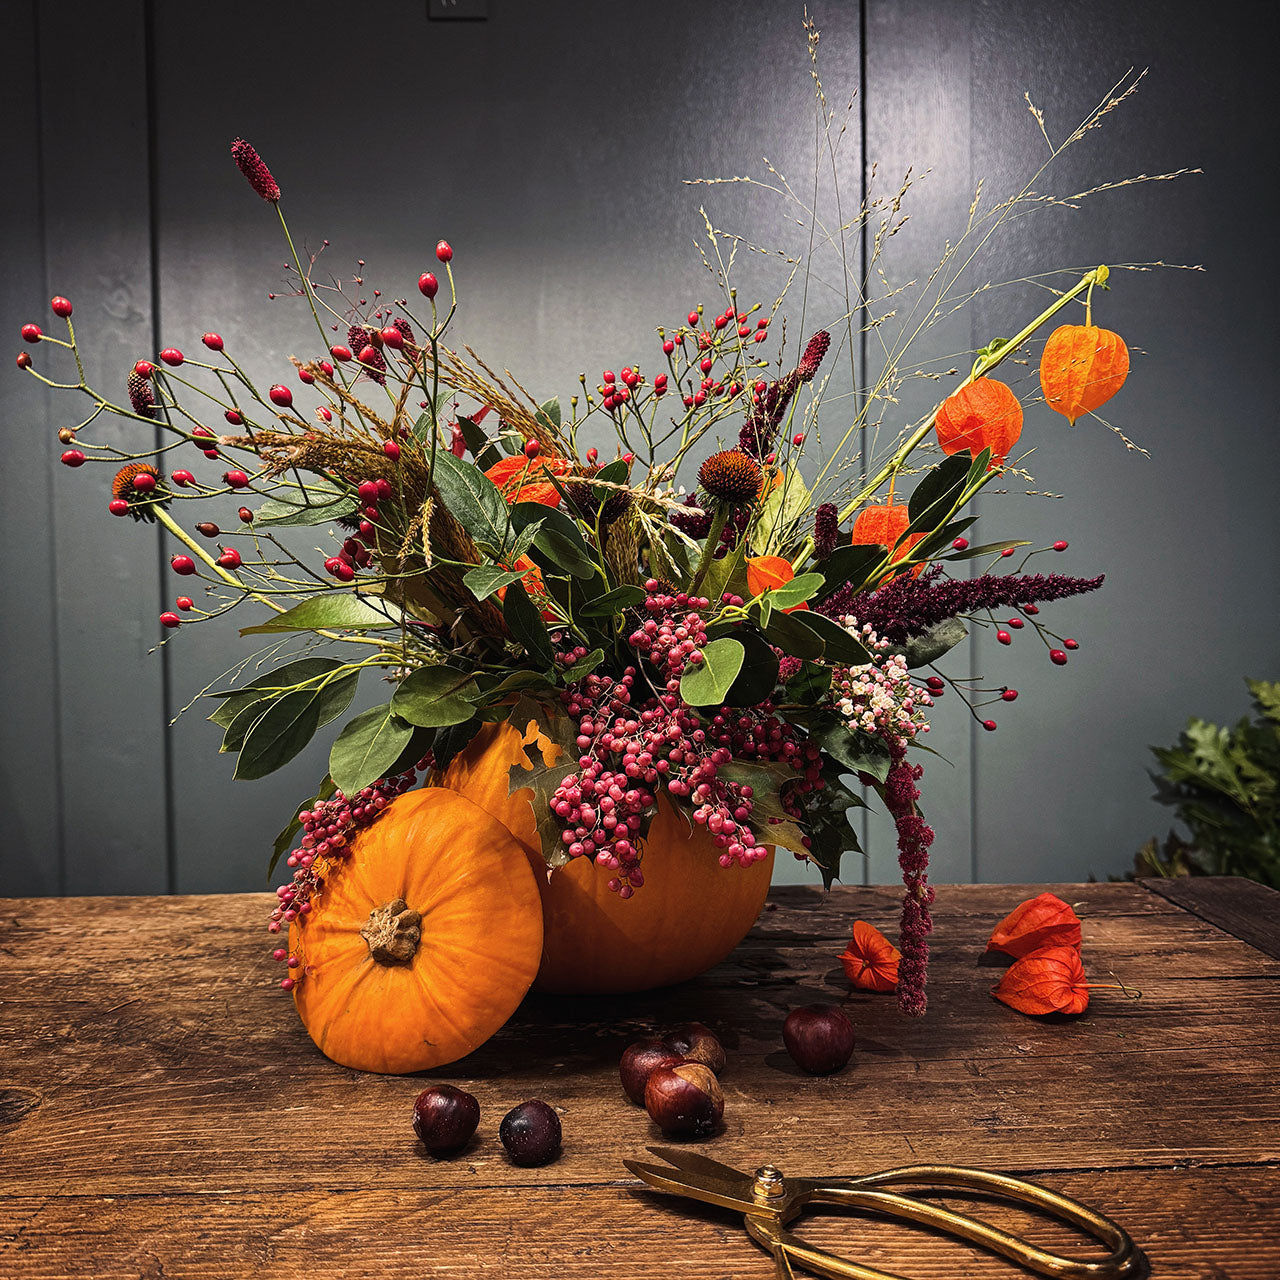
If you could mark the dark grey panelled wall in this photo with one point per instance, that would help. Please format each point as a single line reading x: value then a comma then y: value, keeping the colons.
x: 549, y: 145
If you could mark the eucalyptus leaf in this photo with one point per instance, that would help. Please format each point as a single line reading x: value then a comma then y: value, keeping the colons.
x: 549, y: 412
x: 525, y: 624
x: 799, y: 590
x: 367, y: 747
x: 338, y: 611
x: 435, y: 697
x: 276, y: 736
x: 708, y: 683
x: 613, y: 602
x: 471, y: 498
x: 583, y: 667
x: 485, y: 579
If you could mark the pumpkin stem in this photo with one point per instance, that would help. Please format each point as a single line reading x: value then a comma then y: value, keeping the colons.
x: 393, y: 932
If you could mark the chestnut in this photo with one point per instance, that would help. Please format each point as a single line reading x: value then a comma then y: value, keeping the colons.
x: 531, y: 1133
x: 684, y: 1100
x: 445, y: 1118
x: 638, y: 1060
x: 819, y: 1038
x: 696, y: 1043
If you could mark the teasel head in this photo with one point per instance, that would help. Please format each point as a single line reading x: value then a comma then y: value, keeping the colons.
x: 142, y: 486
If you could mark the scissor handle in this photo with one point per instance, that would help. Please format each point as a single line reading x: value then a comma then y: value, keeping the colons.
x: 1124, y: 1259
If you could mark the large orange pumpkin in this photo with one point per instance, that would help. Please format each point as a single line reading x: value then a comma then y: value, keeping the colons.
x: 985, y: 414
x: 422, y: 942
x: 689, y: 915
x: 1082, y: 368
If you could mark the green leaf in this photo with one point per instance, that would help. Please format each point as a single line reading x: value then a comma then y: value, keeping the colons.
x: 707, y: 685
x: 232, y: 706
x: 770, y: 822
x: 242, y: 722
x: 276, y: 736
x: 516, y: 681
x: 549, y: 412
x: 367, y: 747
x: 759, y: 675
x: 613, y: 602
x: 485, y: 579
x: 451, y: 740
x: 294, y: 826
x: 472, y: 499
x: 920, y: 651
x: 936, y: 496
x: 797, y: 591
x: 284, y: 678
x: 779, y: 512
x: 793, y: 637
x: 810, y: 684
x: 838, y: 645
x: 482, y: 448
x: 332, y: 697
x: 929, y: 546
x: 340, y: 611
x: 316, y: 502
x: 435, y: 697
x: 525, y: 624
x: 850, y: 566
x: 726, y: 574
x: 858, y: 752
x: 565, y: 553
x: 583, y: 667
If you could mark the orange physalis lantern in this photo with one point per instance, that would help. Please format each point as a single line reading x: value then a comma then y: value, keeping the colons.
x: 983, y: 415
x: 766, y: 573
x: 1043, y: 921
x: 507, y: 474
x: 1049, y: 981
x: 885, y: 526
x: 1082, y: 367
x: 871, y: 961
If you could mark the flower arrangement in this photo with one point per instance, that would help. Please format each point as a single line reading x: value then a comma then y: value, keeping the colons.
x: 745, y: 654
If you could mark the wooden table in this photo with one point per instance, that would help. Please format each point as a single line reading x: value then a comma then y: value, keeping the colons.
x: 162, y: 1112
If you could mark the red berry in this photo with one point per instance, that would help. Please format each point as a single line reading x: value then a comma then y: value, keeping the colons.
x: 721, y: 321
x: 1017, y: 623
x: 236, y: 479
x: 935, y: 684
x: 144, y: 368
x: 428, y: 284
x: 1058, y: 657
x: 182, y: 478
x: 245, y: 515
x: 1007, y: 552
x: 1004, y: 637
x: 24, y: 359
x: 211, y: 453
x: 340, y: 353
x: 305, y: 375
x: 171, y: 355
x: 705, y: 364
x: 668, y: 347
x: 170, y: 620
x: 693, y: 317
x: 384, y: 488
x: 392, y: 338
x: 230, y: 558
x: 213, y: 341
x: 1060, y: 545
x: 61, y: 306
x: 367, y: 491
x: 960, y: 544
x: 592, y: 455
x: 184, y: 603
x: 531, y: 448
x: 797, y: 439
x: 73, y: 458
x: 759, y: 336
x: 444, y: 252
x: 234, y: 418
x: 144, y: 482
x: 343, y: 571
x: 325, y: 413
x: 989, y: 726
x: 183, y: 565
x: 368, y: 354
x: 1071, y: 644
x: 1009, y: 695
x: 31, y: 332
x: 326, y: 368
x: 118, y: 507
x: 763, y: 322
x: 391, y: 449
x: 1032, y: 609
x: 608, y: 376
x: 281, y: 395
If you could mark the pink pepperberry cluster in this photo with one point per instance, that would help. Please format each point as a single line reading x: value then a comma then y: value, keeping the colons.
x: 328, y: 831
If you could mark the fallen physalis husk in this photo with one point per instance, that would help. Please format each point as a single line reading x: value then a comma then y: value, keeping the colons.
x: 870, y: 961
x: 1040, y: 922
x: 1048, y: 981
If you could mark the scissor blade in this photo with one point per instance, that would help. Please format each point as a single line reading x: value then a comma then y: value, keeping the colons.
x: 692, y: 1162
x: 693, y: 1185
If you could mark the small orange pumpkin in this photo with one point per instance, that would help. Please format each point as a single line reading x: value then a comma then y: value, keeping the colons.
x: 689, y: 915
x: 422, y: 941
x: 884, y: 527
x: 983, y: 415
x: 1082, y: 368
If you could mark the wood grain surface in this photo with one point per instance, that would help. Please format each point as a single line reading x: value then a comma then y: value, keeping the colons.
x: 162, y: 1111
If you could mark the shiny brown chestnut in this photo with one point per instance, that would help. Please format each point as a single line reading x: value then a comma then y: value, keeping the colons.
x: 639, y: 1060
x: 697, y: 1043
x: 444, y: 1118
x: 684, y: 1100
x: 531, y: 1133
x: 819, y: 1038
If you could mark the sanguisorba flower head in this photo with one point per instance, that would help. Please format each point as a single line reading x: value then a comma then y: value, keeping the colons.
x: 731, y: 476
x: 250, y: 164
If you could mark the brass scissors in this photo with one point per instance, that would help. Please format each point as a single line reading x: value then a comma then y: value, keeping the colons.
x: 771, y: 1201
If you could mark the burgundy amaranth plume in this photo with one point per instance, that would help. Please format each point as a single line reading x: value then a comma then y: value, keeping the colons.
x: 758, y: 431
x: 250, y: 163
x: 826, y: 529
